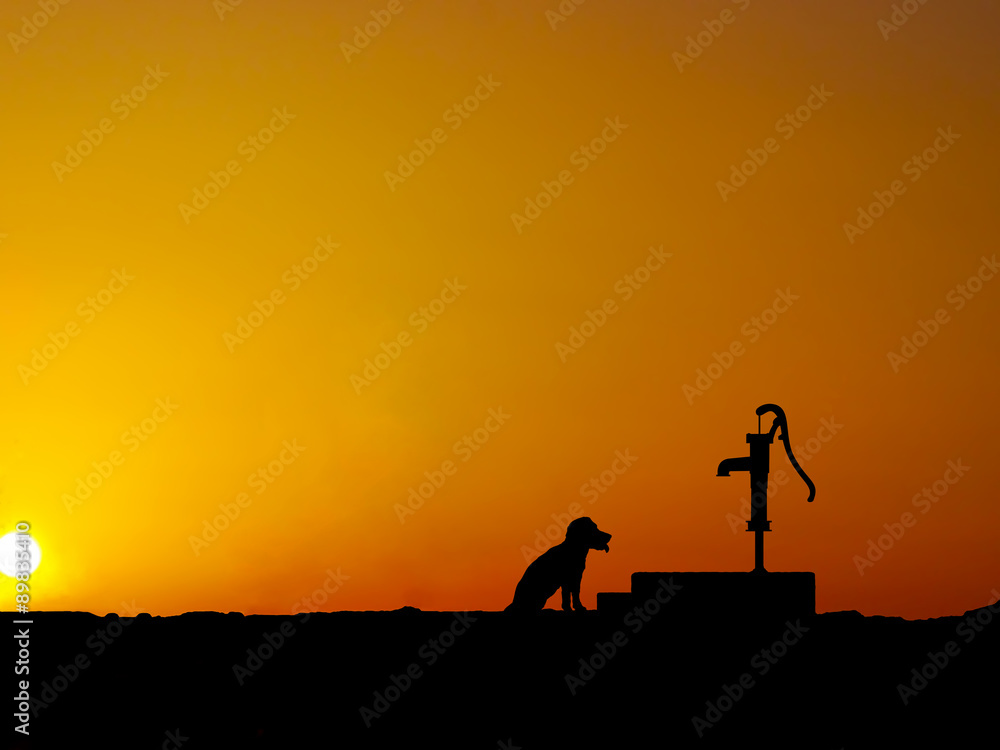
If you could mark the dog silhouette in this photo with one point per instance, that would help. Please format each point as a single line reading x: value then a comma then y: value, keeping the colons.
x: 560, y: 567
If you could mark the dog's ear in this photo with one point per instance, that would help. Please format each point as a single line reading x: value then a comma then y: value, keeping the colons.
x: 579, y: 527
x: 573, y: 529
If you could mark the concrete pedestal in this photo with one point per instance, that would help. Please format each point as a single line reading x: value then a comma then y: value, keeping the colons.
x: 761, y: 596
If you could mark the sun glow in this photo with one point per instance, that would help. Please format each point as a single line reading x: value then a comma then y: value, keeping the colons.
x: 8, y: 552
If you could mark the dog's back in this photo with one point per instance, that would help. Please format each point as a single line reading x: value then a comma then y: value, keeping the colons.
x: 540, y: 581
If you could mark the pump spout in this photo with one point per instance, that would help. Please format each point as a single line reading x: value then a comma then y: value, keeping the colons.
x: 733, y: 464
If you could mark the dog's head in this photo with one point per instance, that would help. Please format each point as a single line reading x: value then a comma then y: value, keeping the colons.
x: 585, y: 533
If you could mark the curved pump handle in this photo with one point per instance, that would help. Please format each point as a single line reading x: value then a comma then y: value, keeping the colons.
x: 780, y: 421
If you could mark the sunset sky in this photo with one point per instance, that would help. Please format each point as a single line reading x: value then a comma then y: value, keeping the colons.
x: 256, y: 260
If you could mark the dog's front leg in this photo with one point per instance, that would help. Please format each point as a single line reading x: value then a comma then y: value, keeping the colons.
x: 566, y: 591
x: 575, y: 588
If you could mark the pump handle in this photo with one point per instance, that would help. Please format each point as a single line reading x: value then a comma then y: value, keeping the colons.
x: 781, y: 421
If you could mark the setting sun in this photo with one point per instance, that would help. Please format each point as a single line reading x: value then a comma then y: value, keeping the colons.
x: 12, y: 543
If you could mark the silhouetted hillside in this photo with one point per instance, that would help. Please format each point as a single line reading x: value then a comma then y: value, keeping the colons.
x: 491, y: 680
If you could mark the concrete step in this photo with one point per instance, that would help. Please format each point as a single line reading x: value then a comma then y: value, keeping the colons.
x: 689, y: 596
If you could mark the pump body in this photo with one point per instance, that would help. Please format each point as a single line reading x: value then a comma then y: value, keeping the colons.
x: 758, y: 465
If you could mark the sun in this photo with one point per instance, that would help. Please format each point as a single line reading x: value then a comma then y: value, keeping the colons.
x: 8, y: 549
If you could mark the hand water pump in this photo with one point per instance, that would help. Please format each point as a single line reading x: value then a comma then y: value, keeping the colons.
x: 757, y: 463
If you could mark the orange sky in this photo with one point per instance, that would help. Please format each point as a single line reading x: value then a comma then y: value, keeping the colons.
x: 126, y: 273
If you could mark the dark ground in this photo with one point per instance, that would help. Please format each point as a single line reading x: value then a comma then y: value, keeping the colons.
x: 168, y: 682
